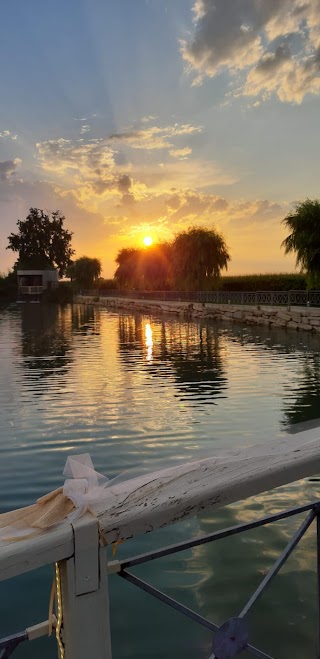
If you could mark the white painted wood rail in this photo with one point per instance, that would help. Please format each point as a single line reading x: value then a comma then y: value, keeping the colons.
x: 141, y: 505
x: 154, y: 500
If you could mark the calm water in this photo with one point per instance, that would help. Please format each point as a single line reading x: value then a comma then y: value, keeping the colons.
x: 142, y: 393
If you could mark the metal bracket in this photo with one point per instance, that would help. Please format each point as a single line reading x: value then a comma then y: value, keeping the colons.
x: 86, y: 554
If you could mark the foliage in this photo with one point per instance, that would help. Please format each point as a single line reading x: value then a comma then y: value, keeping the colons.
x: 199, y: 255
x: 62, y: 294
x: 192, y: 260
x: 8, y: 286
x: 128, y: 266
x: 85, y: 271
x: 106, y: 284
x: 267, y: 282
x: 304, y: 239
x: 155, y: 267
x: 42, y: 241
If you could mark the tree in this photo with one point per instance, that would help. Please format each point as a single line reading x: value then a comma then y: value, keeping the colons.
x: 304, y: 239
x: 127, y: 272
x: 85, y: 270
x: 42, y: 241
x: 147, y: 268
x: 199, y: 255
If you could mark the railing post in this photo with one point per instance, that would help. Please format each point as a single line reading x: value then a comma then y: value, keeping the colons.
x: 84, y: 596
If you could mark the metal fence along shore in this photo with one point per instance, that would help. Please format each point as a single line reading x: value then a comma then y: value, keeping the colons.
x: 254, y: 298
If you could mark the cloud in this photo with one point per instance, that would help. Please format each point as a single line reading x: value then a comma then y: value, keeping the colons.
x: 8, y: 134
x: 180, y: 153
x: 285, y: 77
x: 192, y: 205
x: 273, y: 45
x: 183, y: 174
x: 8, y: 169
x: 153, y: 137
x: 85, y: 128
x: 147, y: 118
x: 87, y: 168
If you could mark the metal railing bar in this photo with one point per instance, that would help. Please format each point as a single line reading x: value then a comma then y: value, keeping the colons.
x: 166, y: 599
x: 210, y: 537
x: 255, y: 651
x: 279, y: 563
x: 10, y: 643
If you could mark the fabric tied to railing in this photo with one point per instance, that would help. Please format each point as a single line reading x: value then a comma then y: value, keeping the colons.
x: 83, y: 487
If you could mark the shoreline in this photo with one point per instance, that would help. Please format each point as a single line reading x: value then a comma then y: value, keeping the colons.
x: 296, y: 318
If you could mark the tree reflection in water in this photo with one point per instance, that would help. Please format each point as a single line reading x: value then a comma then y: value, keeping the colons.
x: 192, y: 352
x: 301, y: 399
x: 47, y: 337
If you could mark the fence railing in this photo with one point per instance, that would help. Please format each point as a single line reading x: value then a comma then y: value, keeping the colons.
x: 141, y: 505
x: 30, y: 290
x: 272, y: 298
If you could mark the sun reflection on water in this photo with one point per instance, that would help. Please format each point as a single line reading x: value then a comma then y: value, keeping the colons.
x: 149, y: 341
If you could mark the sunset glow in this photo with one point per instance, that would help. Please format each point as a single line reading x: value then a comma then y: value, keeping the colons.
x: 147, y: 241
x: 132, y: 155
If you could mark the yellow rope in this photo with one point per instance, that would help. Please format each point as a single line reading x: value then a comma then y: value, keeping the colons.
x: 59, y: 611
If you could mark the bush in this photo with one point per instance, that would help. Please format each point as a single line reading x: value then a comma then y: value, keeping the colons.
x: 8, y: 287
x: 268, y: 282
x: 63, y: 294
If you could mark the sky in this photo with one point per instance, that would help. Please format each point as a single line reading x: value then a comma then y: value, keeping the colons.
x: 145, y: 117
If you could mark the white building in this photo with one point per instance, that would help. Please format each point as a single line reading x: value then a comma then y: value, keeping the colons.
x: 34, y: 282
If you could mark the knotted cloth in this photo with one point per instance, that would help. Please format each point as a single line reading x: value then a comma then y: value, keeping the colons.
x: 83, y: 487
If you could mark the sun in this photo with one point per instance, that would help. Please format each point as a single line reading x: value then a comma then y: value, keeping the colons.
x: 147, y: 241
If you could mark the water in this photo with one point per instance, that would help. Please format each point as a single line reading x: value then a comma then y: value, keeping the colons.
x: 143, y: 393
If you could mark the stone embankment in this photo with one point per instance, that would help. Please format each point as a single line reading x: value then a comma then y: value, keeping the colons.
x: 296, y: 318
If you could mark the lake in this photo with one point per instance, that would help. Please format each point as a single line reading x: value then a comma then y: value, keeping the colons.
x: 140, y: 393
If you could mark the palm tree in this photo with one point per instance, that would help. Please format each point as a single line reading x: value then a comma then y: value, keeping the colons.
x: 304, y: 239
x: 199, y: 255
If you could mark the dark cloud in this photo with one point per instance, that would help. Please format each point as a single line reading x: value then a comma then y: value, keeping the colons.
x: 124, y: 183
x: 227, y: 33
x: 8, y: 169
x: 231, y: 35
x: 270, y: 62
x: 128, y: 199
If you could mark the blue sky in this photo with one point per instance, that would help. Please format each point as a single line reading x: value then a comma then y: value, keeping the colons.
x: 138, y: 117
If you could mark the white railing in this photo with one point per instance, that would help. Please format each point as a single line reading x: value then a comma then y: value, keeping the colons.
x: 139, y: 506
x: 30, y: 290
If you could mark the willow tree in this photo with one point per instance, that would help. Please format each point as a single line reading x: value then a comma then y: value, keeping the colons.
x: 304, y: 239
x: 85, y: 271
x: 198, y: 256
x: 147, y: 268
x: 126, y: 274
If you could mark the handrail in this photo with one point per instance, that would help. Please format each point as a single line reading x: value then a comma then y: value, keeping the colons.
x: 155, y: 500
x: 250, y: 298
x: 144, y: 504
x: 30, y: 290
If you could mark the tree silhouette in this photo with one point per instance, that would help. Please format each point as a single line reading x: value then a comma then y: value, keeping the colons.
x: 42, y: 241
x: 85, y: 270
x: 199, y: 255
x: 192, y: 261
x: 304, y: 239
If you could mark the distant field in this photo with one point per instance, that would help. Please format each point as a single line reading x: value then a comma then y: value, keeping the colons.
x: 270, y: 282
